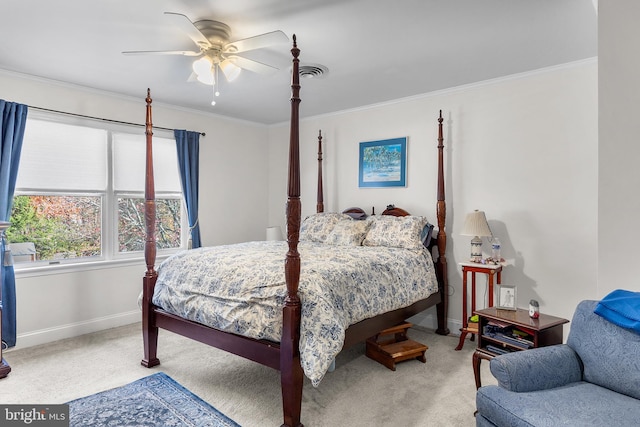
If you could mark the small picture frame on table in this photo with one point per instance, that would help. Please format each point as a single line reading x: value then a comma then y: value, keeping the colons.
x: 506, y: 297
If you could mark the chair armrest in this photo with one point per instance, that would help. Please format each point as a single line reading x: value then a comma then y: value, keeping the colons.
x: 537, y: 369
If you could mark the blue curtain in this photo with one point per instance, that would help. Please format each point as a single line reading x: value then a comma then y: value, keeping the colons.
x: 188, y: 145
x: 12, y: 122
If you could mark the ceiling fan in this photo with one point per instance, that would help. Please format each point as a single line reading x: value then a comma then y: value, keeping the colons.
x: 216, y: 50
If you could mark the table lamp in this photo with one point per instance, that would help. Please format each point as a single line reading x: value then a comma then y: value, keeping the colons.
x: 274, y: 233
x: 476, y: 225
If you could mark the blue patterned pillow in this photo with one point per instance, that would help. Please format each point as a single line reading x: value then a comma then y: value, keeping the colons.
x: 396, y: 232
x: 349, y: 232
x: 316, y: 227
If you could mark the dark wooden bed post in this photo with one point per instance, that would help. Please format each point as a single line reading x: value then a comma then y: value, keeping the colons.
x: 291, y: 375
x: 149, y: 330
x: 441, y: 213
x: 320, y: 196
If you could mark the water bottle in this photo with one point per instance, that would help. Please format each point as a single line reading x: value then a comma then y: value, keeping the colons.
x: 495, y: 250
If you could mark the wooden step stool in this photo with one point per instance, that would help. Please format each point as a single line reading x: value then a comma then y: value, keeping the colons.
x: 389, y: 350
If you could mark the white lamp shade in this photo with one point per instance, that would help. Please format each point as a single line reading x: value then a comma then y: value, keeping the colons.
x: 202, y: 66
x: 206, y: 79
x: 476, y: 225
x: 274, y: 233
x: 204, y: 71
x: 231, y: 71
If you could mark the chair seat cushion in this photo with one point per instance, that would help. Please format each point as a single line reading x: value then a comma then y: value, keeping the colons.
x: 576, y: 404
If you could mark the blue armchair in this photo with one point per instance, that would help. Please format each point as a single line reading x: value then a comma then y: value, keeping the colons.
x: 593, y: 380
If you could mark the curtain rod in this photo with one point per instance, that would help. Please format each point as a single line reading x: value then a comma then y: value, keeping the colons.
x: 101, y: 119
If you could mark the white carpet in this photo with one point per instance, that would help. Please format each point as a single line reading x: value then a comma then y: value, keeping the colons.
x: 360, y: 392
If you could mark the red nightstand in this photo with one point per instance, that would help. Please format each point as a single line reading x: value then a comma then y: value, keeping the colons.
x: 492, y: 271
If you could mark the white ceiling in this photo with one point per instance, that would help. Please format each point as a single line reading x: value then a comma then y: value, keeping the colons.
x: 375, y: 50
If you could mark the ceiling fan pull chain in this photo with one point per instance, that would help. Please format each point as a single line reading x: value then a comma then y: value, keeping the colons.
x: 217, y: 93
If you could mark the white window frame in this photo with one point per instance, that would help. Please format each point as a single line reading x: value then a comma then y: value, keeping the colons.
x: 109, y: 232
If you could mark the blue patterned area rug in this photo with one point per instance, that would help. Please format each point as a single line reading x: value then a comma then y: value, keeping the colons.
x: 156, y: 400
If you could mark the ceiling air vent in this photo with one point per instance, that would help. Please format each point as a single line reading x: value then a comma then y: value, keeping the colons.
x: 313, y: 71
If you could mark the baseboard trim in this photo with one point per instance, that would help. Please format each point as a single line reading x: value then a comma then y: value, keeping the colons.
x: 455, y: 326
x: 44, y: 336
x: 430, y: 321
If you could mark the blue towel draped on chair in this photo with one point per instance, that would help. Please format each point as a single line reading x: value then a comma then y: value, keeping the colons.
x: 621, y: 308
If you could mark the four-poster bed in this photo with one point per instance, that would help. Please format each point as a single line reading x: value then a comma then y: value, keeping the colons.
x: 282, y: 351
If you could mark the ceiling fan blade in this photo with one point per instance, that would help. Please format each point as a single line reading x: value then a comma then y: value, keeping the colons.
x: 251, y: 65
x: 189, y: 29
x: 162, y: 52
x: 257, y: 42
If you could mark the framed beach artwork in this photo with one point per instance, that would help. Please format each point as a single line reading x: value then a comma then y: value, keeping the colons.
x: 383, y: 163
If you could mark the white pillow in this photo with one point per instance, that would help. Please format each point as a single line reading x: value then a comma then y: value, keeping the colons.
x: 349, y: 232
x: 396, y: 231
x: 316, y: 227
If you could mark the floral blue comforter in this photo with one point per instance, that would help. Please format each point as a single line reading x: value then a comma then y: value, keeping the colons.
x: 241, y: 289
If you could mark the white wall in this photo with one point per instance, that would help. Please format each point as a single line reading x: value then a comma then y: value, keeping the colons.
x: 619, y: 150
x: 523, y: 149
x: 233, y: 200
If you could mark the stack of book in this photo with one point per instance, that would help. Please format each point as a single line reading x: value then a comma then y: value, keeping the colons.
x: 507, y: 334
x: 498, y: 350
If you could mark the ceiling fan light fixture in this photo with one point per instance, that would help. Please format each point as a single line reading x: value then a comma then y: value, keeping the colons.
x: 231, y: 71
x: 202, y: 66
x: 217, y: 53
x: 206, y: 79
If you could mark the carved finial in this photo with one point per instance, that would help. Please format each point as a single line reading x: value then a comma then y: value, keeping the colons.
x: 320, y: 134
x: 148, y: 96
x: 440, y: 118
x: 294, y: 50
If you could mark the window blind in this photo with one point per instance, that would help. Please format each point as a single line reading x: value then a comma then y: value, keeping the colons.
x: 129, y: 163
x: 58, y: 156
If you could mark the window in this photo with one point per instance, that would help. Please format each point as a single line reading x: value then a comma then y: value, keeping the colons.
x: 129, y: 152
x: 80, y: 194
